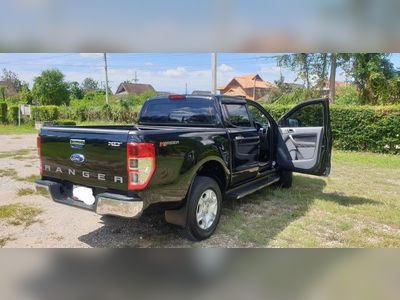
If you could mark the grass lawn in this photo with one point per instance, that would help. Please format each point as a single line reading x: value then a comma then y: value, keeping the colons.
x: 12, y: 129
x: 19, y: 214
x: 357, y: 206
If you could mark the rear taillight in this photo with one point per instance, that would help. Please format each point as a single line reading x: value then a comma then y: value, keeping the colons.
x: 140, y: 164
x: 39, y: 149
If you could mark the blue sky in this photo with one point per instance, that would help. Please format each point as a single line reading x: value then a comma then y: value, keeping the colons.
x: 165, y: 71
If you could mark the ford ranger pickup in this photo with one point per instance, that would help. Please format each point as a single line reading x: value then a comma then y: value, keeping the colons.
x: 186, y: 154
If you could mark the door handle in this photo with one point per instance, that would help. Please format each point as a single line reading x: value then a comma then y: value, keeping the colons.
x: 301, y: 144
x: 239, y: 138
x: 290, y: 130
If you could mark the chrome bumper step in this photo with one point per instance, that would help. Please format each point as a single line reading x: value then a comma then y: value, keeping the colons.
x: 105, y: 203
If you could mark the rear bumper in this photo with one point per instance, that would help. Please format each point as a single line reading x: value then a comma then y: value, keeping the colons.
x: 105, y: 203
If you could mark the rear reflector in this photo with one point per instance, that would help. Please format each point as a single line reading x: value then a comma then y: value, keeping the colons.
x: 176, y: 97
x: 39, y: 149
x: 140, y: 163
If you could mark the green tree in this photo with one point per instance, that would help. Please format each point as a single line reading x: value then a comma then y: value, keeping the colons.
x: 377, y: 80
x: 301, y: 63
x: 90, y: 84
x: 50, y: 88
x: 313, y: 68
x: 26, y: 95
x: 75, y: 91
x: 12, y: 77
x: 3, y: 92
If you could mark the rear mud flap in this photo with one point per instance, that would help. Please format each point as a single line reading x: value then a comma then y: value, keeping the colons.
x: 177, y: 216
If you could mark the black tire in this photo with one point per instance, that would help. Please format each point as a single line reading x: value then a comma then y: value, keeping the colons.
x: 199, y: 186
x: 286, y: 179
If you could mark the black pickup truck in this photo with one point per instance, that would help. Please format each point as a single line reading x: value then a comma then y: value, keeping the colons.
x: 187, y: 154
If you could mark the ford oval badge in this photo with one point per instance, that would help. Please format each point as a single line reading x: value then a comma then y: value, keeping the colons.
x: 77, y: 158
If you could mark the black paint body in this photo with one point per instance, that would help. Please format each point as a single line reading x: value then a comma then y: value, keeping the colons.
x: 176, y: 164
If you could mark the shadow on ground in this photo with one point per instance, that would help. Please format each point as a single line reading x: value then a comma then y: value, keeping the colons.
x: 264, y: 214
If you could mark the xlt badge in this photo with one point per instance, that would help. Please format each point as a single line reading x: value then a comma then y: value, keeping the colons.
x: 77, y: 143
x: 114, y: 144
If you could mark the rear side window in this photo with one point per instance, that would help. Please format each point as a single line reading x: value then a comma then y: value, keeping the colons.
x: 238, y: 115
x: 192, y: 111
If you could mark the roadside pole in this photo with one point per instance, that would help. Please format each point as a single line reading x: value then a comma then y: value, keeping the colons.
x: 19, y: 114
x: 214, y: 72
x: 105, y: 68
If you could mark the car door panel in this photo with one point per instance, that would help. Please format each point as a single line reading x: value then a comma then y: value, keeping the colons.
x: 245, y: 149
x: 303, y: 145
x: 305, y: 140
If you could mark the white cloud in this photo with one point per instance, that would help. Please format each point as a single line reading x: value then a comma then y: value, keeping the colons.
x: 177, y: 72
x: 148, y: 63
x: 268, y: 69
x: 91, y: 55
x: 224, y: 68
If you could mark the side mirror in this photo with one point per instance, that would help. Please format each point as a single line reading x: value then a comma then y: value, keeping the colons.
x: 258, y: 125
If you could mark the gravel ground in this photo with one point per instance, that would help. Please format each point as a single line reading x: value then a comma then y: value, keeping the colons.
x: 63, y: 226
x: 348, y: 209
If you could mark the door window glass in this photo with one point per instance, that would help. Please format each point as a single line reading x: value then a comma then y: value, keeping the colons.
x: 307, y: 116
x: 238, y: 115
x: 258, y: 117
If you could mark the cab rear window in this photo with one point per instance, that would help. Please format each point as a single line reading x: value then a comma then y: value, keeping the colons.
x: 191, y: 111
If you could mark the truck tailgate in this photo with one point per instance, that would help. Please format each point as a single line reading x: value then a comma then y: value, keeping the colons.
x: 85, y: 156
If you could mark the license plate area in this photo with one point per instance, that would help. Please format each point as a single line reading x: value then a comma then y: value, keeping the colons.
x: 83, y: 194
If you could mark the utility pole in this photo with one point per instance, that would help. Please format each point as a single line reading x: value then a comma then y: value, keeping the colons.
x: 214, y: 72
x: 254, y: 89
x: 136, y: 79
x: 332, y: 78
x: 105, y: 68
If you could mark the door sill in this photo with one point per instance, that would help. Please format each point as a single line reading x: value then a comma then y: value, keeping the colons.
x: 251, y: 187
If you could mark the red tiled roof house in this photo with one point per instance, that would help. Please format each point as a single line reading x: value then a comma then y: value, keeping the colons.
x: 250, y: 86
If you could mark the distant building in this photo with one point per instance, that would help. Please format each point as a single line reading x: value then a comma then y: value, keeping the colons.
x: 338, y: 84
x: 294, y: 86
x: 126, y: 88
x: 9, y: 90
x: 197, y: 92
x: 248, y: 86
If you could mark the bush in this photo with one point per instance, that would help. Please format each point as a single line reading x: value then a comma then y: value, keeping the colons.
x: 347, y: 95
x: 64, y: 122
x: 13, y: 114
x: 3, y: 112
x: 359, y: 128
x: 44, y: 113
x: 135, y: 100
x: 298, y: 95
x: 366, y: 128
x: 115, y: 112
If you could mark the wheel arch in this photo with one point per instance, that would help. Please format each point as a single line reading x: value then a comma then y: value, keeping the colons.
x: 215, y: 169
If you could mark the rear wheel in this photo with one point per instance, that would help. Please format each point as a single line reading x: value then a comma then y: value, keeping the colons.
x: 204, y: 208
x: 286, y: 179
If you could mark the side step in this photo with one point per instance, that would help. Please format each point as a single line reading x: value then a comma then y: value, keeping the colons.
x: 251, y: 187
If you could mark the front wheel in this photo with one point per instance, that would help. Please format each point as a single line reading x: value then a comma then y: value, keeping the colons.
x: 204, y: 208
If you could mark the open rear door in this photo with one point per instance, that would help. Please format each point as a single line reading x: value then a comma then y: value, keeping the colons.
x: 305, y: 141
